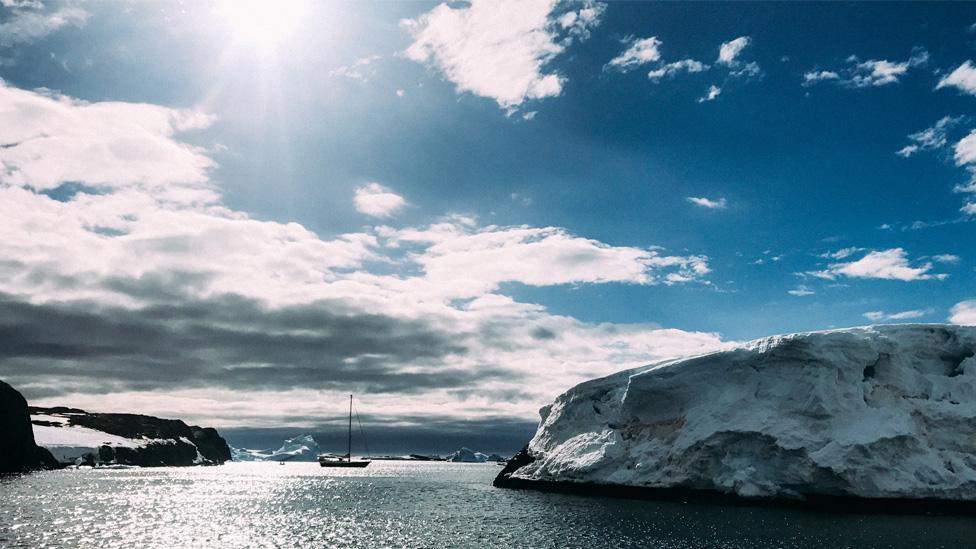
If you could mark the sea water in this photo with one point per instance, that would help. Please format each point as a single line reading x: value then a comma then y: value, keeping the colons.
x: 405, y: 504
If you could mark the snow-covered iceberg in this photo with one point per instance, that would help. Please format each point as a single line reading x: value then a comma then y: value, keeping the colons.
x: 874, y: 412
x: 300, y: 448
x: 467, y: 455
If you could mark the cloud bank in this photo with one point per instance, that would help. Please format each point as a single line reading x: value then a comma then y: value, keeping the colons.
x: 126, y: 283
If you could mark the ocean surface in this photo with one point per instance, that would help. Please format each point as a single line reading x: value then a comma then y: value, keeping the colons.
x: 404, y: 504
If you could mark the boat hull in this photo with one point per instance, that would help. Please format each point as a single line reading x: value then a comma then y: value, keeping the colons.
x: 359, y: 464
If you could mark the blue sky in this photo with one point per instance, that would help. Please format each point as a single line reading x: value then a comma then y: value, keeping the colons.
x: 537, y: 159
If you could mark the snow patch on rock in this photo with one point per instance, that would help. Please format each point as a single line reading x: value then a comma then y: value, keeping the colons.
x: 71, y: 443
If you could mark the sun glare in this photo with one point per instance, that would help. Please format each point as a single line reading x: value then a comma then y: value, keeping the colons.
x: 262, y: 23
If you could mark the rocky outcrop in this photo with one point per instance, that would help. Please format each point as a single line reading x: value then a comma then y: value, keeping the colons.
x: 883, y: 413
x: 76, y: 436
x: 19, y: 453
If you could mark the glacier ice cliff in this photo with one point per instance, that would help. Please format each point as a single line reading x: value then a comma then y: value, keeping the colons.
x: 883, y: 412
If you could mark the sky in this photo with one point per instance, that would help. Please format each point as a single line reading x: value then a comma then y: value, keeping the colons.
x: 239, y: 212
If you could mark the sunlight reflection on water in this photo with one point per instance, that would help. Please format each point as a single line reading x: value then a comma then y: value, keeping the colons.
x: 401, y: 504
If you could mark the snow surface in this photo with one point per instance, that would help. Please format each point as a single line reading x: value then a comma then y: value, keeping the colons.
x: 52, y: 419
x: 300, y: 448
x: 70, y: 443
x: 884, y: 411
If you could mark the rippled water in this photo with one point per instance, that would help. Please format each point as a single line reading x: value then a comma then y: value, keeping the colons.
x: 403, y: 504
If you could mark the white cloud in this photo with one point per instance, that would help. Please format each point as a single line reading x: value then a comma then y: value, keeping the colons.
x: 965, y: 150
x: 969, y: 186
x: 729, y: 51
x: 934, y: 137
x: 964, y: 313
x: 812, y: 77
x: 964, y: 154
x: 870, y: 73
x: 881, y: 316
x: 946, y: 258
x: 647, y: 50
x: 50, y: 139
x: 670, y: 69
x: 29, y: 22
x: 962, y: 78
x: 746, y: 71
x: 464, y: 261
x: 361, y: 69
x: 768, y: 257
x: 907, y: 151
x: 578, y: 23
x: 801, y: 291
x: 713, y: 93
x: 378, y: 201
x: 497, y: 49
x: 877, y: 73
x: 639, y: 52
x: 842, y: 253
x: 886, y: 265
x: 719, y: 204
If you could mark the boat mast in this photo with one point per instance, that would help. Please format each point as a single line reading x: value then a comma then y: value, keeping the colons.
x: 349, y: 445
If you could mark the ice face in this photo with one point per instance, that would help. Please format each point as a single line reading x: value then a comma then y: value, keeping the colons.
x: 884, y: 411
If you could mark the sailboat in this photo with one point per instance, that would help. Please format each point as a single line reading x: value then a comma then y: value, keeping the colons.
x: 344, y: 461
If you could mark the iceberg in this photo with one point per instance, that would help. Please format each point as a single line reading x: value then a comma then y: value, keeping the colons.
x: 300, y: 448
x: 466, y: 455
x: 885, y: 412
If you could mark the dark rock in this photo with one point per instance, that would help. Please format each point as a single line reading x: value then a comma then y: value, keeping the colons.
x: 519, y: 460
x: 19, y: 453
x: 211, y: 444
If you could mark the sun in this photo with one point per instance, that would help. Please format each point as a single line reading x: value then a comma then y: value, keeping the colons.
x: 262, y: 24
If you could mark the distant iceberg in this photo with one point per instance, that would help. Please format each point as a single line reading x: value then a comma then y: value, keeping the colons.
x: 300, y: 448
x: 466, y: 455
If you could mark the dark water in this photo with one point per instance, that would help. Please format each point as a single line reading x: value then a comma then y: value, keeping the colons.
x: 401, y: 504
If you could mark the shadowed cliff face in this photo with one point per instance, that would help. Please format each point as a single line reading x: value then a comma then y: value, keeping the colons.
x: 16, y: 436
